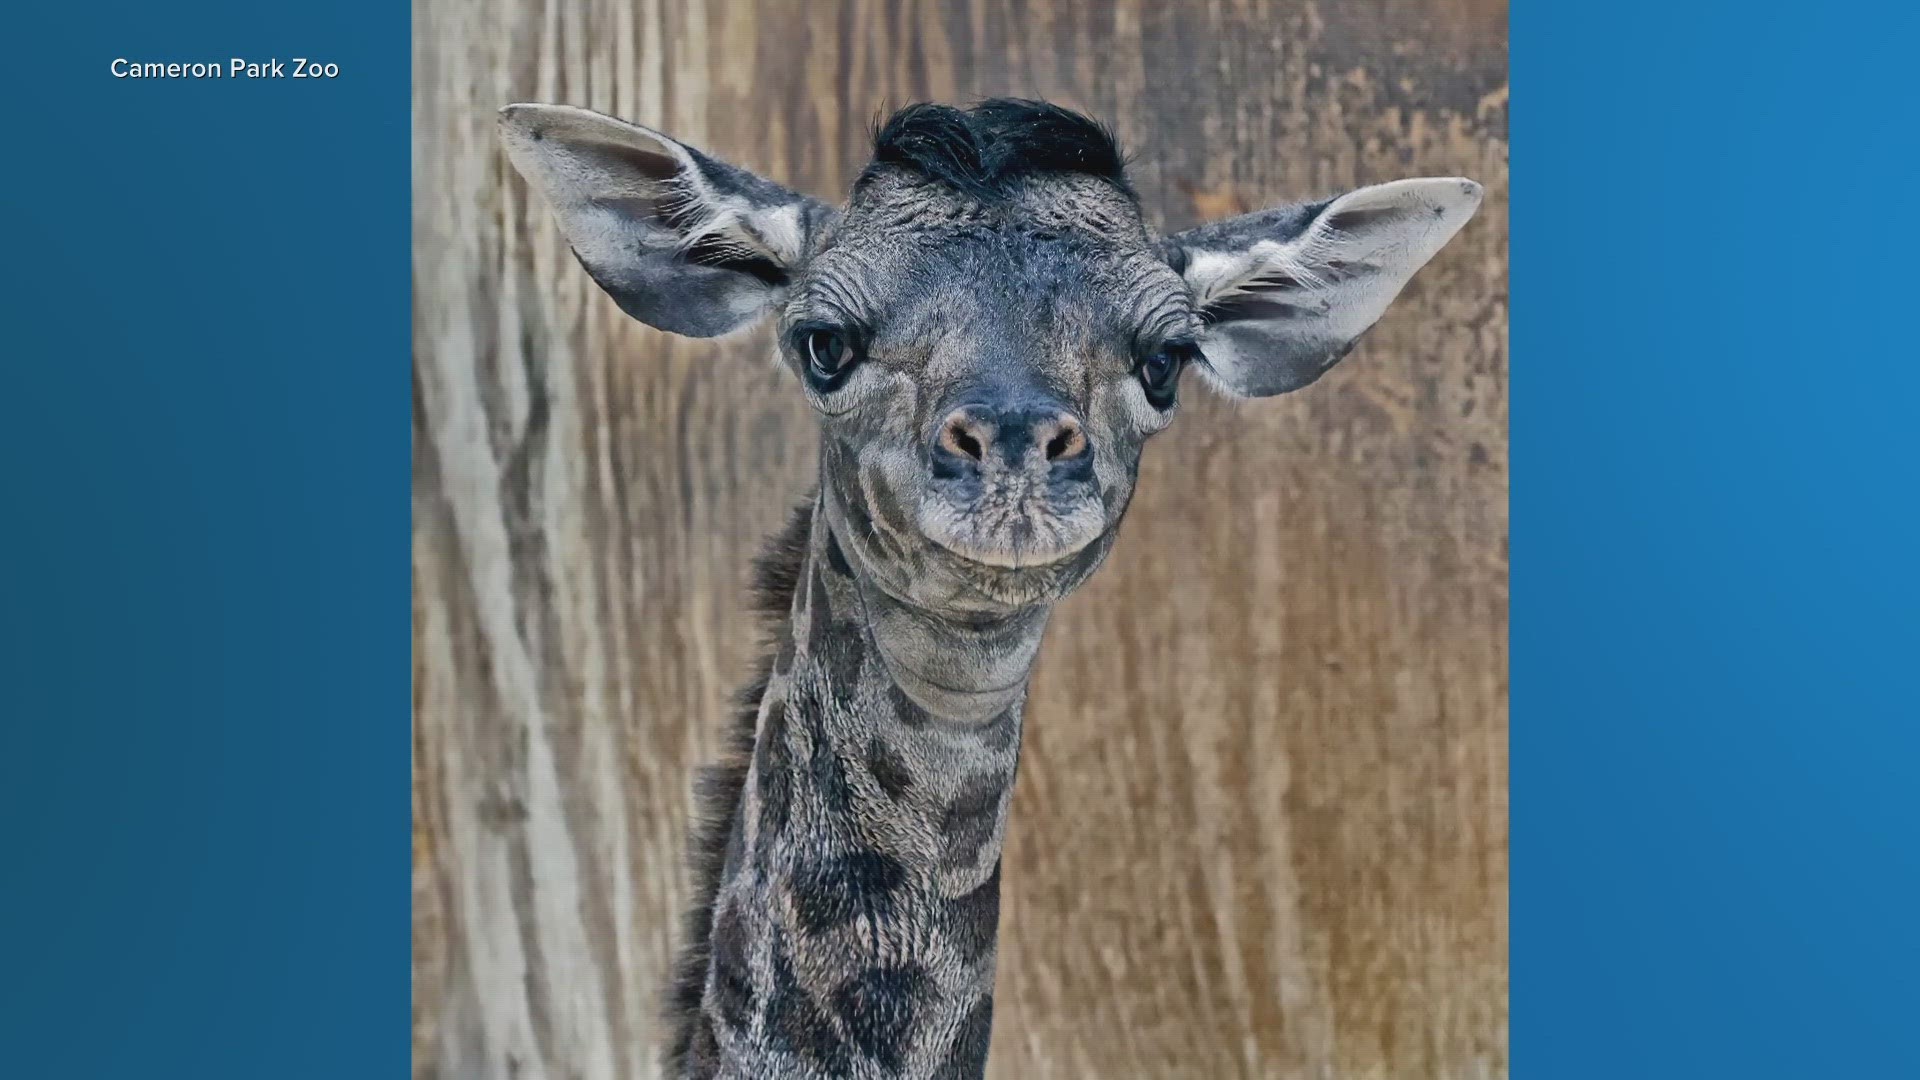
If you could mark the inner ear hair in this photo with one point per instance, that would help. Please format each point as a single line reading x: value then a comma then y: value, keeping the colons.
x: 1373, y: 229
x: 1286, y: 292
x: 682, y: 241
x: 709, y: 205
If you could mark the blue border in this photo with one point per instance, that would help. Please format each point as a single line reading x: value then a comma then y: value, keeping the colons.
x: 203, y: 570
x: 1715, y: 534
x: 204, y: 614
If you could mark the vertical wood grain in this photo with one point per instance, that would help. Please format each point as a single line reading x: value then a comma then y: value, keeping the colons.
x: 1261, y: 823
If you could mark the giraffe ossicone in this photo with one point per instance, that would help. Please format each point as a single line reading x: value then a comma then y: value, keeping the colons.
x: 989, y: 332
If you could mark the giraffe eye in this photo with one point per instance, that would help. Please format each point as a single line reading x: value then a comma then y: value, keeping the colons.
x: 828, y: 355
x: 1160, y: 372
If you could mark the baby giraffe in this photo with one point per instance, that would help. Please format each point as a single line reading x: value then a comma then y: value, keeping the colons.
x: 989, y: 333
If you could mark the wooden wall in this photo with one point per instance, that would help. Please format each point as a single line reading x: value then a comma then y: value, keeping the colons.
x: 1260, y: 829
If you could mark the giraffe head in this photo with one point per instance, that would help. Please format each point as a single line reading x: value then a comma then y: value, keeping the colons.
x: 987, y: 327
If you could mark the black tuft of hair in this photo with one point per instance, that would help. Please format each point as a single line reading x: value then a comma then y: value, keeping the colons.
x: 983, y: 151
x: 718, y: 789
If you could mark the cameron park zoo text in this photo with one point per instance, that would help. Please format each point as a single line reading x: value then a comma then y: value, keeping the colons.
x: 234, y: 68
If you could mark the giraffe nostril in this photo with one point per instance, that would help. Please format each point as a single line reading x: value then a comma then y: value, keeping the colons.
x: 961, y: 436
x: 1068, y: 440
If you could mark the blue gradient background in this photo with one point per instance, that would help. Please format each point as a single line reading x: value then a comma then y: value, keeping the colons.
x: 1716, y: 624
x: 204, y: 612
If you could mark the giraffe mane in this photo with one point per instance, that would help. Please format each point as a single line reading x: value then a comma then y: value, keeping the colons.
x: 986, y: 150
x: 719, y: 787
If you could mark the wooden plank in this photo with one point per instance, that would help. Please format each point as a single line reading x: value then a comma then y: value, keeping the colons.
x: 1261, y: 826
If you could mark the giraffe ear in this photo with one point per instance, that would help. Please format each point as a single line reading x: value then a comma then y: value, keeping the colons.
x: 1286, y: 292
x: 681, y: 241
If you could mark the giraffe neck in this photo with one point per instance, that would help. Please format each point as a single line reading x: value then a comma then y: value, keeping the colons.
x: 855, y: 919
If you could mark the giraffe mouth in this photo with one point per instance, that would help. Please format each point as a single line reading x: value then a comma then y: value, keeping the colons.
x: 1012, y: 556
x: 1021, y: 530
